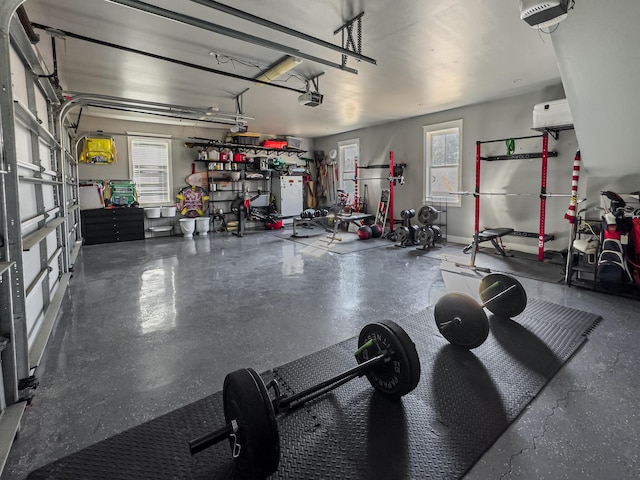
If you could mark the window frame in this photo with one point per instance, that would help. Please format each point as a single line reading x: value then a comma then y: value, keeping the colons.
x: 158, y: 139
x: 428, y: 131
x: 343, y: 146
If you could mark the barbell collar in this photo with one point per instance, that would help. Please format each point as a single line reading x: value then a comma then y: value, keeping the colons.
x: 217, y: 436
x: 456, y: 322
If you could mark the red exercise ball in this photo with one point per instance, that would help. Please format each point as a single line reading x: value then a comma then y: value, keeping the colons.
x: 376, y: 231
x: 364, y: 233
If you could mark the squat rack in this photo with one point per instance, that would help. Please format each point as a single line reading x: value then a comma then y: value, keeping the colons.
x: 544, y: 155
x: 396, y: 175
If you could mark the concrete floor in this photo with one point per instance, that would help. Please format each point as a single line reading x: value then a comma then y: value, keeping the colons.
x: 147, y: 327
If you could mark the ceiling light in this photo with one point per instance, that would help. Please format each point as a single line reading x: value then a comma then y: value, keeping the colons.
x: 279, y: 68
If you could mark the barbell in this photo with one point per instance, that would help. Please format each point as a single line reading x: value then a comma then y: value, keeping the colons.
x: 463, y: 321
x: 506, y: 194
x: 385, y: 354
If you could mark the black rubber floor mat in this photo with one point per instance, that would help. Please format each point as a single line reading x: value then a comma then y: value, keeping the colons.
x: 464, y: 401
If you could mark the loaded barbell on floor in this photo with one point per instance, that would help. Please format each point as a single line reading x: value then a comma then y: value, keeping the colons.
x: 385, y: 354
x: 463, y: 321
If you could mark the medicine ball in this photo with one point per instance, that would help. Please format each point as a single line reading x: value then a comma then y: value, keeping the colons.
x: 364, y: 233
x: 376, y: 231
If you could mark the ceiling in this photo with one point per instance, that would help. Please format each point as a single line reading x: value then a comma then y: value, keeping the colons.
x: 431, y: 55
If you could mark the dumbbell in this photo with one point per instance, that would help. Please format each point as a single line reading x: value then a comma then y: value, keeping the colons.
x: 385, y: 354
x: 463, y: 321
x: 409, y: 213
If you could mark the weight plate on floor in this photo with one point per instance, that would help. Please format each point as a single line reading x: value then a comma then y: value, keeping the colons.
x: 437, y: 233
x: 461, y: 320
x: 427, y: 215
x: 508, y: 305
x: 425, y: 235
x: 413, y: 233
x: 256, y: 446
x: 401, y: 374
x: 402, y: 235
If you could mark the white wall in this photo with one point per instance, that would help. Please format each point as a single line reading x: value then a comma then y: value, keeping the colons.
x: 597, y: 52
x: 511, y: 117
x: 181, y: 156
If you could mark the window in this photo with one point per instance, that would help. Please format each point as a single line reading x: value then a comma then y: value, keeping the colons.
x: 150, y: 160
x: 442, y: 159
x: 349, y: 155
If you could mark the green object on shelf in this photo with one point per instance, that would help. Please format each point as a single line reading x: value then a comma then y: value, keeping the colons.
x: 511, y: 146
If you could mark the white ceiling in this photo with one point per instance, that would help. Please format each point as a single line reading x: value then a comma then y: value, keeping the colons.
x: 431, y: 55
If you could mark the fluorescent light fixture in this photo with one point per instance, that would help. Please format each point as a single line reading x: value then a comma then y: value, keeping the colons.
x: 279, y: 68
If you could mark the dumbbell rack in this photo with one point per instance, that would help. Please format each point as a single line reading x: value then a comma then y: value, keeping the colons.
x: 440, y: 204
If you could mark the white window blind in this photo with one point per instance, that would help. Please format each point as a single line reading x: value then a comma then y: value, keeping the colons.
x: 151, y: 166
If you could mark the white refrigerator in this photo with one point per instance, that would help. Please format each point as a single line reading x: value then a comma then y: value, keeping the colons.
x: 288, y: 191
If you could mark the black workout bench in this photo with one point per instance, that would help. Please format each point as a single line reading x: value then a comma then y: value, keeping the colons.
x: 490, y: 235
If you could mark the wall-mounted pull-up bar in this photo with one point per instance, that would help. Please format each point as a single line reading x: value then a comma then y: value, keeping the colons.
x: 544, y: 155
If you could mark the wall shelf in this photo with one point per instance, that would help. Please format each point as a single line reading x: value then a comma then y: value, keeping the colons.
x: 240, y: 148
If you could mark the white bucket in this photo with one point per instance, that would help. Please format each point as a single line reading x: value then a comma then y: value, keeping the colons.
x: 168, y: 211
x: 152, y: 212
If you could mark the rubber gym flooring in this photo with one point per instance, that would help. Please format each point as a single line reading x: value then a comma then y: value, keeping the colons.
x: 463, y: 402
x: 153, y: 327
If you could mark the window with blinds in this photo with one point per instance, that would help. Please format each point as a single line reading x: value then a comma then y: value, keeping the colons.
x: 151, y: 166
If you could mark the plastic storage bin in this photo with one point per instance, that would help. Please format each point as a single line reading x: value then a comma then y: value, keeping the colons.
x: 168, y: 211
x: 152, y: 212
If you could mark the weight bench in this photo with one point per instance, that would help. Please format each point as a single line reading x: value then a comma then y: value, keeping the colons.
x: 490, y: 235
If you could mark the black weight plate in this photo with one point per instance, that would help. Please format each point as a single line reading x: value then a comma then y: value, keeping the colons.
x: 427, y: 215
x: 246, y: 401
x: 402, y: 235
x: 461, y: 320
x: 401, y: 374
x: 425, y: 236
x: 508, y: 305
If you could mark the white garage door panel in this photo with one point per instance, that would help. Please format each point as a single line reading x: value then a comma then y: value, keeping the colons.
x: 34, y: 305
x: 23, y: 144
x: 31, y: 265
x: 53, y: 279
x: 48, y: 197
x: 27, y: 193
x: 45, y: 155
x: 41, y: 108
x: 52, y: 243
x: 18, y: 79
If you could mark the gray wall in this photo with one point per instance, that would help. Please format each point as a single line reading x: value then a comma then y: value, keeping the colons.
x: 181, y: 156
x: 511, y: 117
x: 596, y: 48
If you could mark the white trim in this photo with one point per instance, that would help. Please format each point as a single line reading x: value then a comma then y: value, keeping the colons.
x: 453, y: 200
x: 342, y: 146
x: 149, y: 135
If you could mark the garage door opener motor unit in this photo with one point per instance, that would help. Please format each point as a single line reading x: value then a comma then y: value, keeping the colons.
x: 544, y: 13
